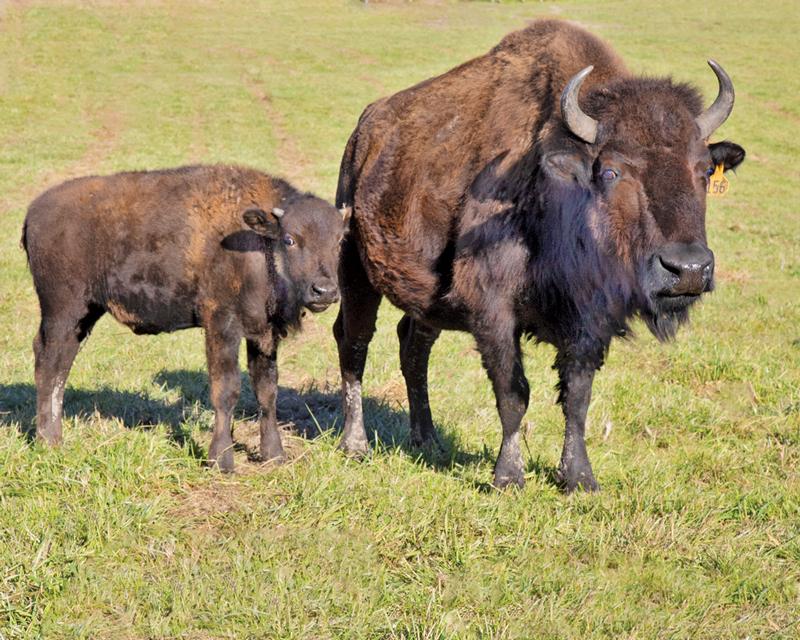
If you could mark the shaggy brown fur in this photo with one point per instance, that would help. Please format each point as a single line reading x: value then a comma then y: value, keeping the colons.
x: 166, y: 250
x: 475, y: 208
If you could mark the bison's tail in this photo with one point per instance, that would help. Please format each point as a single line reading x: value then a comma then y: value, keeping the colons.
x: 352, y: 161
x: 23, y: 241
x: 347, y: 174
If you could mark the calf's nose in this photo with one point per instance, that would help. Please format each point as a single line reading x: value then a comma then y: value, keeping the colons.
x: 324, y: 291
x: 687, y: 268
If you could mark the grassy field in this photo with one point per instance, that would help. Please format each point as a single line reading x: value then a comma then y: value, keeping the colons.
x: 122, y: 533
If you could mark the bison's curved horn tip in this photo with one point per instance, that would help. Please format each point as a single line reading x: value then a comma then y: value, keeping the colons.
x: 582, y: 125
x: 713, y: 117
x: 278, y: 212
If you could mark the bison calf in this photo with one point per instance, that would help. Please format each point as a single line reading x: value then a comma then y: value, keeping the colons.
x: 229, y: 249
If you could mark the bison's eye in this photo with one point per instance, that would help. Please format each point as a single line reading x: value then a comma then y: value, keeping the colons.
x: 609, y: 175
x: 710, y: 172
x: 288, y: 240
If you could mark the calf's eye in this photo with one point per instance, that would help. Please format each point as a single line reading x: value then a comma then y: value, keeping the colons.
x: 288, y: 240
x: 609, y: 175
x: 710, y: 172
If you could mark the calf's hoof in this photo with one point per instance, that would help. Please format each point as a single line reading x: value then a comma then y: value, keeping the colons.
x: 357, y: 448
x: 51, y: 438
x: 571, y: 480
x: 279, y: 458
x: 221, y: 457
x: 271, y: 449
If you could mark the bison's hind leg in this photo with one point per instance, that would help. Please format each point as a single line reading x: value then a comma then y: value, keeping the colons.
x: 353, y: 331
x: 61, y: 332
x: 416, y: 342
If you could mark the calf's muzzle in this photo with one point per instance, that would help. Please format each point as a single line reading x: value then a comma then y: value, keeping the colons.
x: 321, y: 294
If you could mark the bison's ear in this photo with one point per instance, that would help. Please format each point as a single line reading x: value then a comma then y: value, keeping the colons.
x: 728, y: 154
x: 567, y: 167
x: 265, y: 224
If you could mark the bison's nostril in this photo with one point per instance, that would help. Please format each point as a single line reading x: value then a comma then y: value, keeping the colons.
x: 670, y: 266
x: 320, y: 291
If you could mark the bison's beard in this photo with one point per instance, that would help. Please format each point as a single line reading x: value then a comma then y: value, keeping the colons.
x: 664, y: 323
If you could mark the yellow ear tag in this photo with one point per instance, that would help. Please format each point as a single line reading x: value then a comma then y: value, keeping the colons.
x: 718, y: 184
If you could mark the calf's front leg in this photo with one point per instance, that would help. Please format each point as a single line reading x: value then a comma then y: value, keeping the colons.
x: 222, y: 350
x: 263, y: 367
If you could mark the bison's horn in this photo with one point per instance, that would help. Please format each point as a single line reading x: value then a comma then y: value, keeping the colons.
x: 711, y: 119
x: 583, y: 126
x: 278, y: 212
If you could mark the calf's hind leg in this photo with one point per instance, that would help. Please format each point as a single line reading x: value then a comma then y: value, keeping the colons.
x: 353, y: 331
x: 222, y: 350
x: 263, y: 369
x: 416, y: 342
x: 54, y: 347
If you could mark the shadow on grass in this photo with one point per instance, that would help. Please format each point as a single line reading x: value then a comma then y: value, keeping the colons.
x: 310, y: 412
x: 313, y: 411
x: 133, y: 410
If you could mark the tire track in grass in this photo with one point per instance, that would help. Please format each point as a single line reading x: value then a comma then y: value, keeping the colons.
x: 298, y: 169
x: 103, y: 140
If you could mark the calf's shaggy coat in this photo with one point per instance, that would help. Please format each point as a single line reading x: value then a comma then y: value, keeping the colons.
x: 487, y: 200
x: 225, y: 248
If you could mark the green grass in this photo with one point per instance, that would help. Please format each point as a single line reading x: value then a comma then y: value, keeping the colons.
x: 121, y: 533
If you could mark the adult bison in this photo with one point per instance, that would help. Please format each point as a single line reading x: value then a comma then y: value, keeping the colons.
x: 225, y: 248
x: 538, y: 190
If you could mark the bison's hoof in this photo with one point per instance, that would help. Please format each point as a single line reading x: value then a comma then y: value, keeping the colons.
x: 572, y: 481
x: 503, y: 480
x: 357, y: 448
x: 223, y: 459
x: 429, y: 441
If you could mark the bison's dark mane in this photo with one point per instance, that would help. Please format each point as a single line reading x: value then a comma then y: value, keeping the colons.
x: 585, y: 295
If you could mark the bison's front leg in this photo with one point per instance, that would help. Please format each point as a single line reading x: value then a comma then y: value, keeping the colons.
x: 575, y: 392
x: 222, y: 350
x: 501, y: 355
x: 353, y: 330
x: 263, y: 369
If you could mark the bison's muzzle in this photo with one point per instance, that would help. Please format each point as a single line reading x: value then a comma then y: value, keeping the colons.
x: 679, y: 273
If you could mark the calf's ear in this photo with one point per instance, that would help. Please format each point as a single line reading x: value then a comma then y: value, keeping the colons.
x: 728, y: 154
x: 263, y: 223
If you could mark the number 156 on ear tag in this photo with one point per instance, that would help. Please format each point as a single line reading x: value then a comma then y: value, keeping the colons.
x: 718, y: 184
